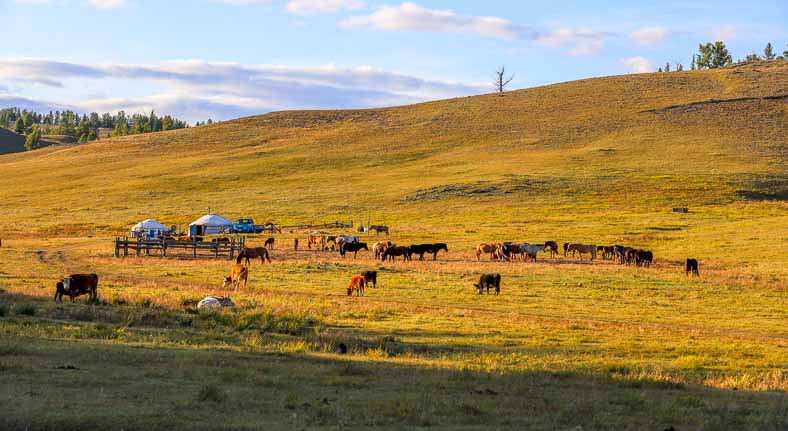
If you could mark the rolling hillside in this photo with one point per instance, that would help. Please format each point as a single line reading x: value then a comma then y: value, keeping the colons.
x: 568, y: 344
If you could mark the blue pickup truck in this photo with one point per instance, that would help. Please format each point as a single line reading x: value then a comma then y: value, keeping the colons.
x: 246, y: 225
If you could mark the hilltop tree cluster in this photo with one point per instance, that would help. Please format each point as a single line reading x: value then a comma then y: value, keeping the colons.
x: 85, y: 127
x: 714, y: 55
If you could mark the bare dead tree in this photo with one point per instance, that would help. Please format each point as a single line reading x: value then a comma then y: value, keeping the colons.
x: 501, y: 81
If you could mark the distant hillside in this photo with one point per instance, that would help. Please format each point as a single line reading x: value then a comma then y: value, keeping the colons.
x: 11, y: 142
x: 600, y: 147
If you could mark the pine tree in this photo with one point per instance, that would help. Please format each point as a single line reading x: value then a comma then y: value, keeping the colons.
x: 679, y: 67
x: 19, y: 126
x: 768, y: 53
x: 659, y: 70
x: 33, y: 139
x: 667, y: 67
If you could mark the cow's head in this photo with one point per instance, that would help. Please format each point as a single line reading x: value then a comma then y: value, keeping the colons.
x: 227, y: 281
x: 349, y: 291
x: 67, y: 283
x: 478, y: 287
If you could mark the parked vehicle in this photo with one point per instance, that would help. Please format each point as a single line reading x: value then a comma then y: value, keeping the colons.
x: 246, y: 225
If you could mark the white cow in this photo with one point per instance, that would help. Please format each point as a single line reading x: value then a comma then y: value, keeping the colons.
x: 214, y: 302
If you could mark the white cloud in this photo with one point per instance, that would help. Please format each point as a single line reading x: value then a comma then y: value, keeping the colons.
x: 638, y: 65
x: 231, y: 89
x: 650, y: 35
x: 107, y: 4
x: 303, y: 7
x: 725, y: 32
x: 580, y: 41
x: 410, y: 16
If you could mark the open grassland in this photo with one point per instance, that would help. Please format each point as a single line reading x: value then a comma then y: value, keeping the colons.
x: 568, y: 343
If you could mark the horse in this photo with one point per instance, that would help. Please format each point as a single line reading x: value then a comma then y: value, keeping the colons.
x: 379, y: 228
x: 487, y: 281
x: 643, y: 258
x: 295, y: 244
x: 352, y: 246
x: 531, y: 250
x: 346, y: 239
x: 253, y: 253
x: 566, y: 249
x: 692, y: 267
x: 486, y: 248
x: 370, y: 277
x: 315, y: 240
x: 582, y: 249
x: 269, y: 243
x: 379, y: 247
x: 552, y: 246
x: 357, y: 285
x: 395, y: 251
x: 433, y: 249
x: 629, y: 256
x: 237, y: 274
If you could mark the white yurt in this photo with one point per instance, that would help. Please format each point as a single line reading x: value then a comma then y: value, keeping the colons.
x: 149, y: 228
x: 210, y: 224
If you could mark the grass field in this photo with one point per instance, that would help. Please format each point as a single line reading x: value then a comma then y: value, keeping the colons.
x: 568, y: 344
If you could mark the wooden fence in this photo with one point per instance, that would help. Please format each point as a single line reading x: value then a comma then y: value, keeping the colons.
x: 171, y: 247
x: 334, y: 225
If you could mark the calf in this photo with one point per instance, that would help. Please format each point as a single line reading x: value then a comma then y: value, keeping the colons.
x: 487, y: 281
x: 356, y: 285
x: 692, y: 267
x: 370, y: 277
x: 75, y: 285
x: 238, y: 273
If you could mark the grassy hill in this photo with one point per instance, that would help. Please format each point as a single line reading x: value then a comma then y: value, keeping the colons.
x: 568, y: 343
x: 12, y: 142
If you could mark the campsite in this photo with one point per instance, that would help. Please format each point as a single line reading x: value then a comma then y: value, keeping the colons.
x: 602, y: 252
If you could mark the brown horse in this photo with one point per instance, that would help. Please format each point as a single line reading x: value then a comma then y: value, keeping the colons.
x: 552, y: 247
x: 269, y: 243
x: 582, y: 248
x: 395, y: 251
x: 486, y: 248
x: 357, y: 285
x: 253, y: 253
x: 379, y: 229
x: 316, y: 240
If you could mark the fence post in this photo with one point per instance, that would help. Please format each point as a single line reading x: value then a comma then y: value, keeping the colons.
x: 194, y: 244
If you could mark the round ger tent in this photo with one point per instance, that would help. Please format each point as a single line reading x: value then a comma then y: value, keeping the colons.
x: 210, y: 224
x: 150, y: 228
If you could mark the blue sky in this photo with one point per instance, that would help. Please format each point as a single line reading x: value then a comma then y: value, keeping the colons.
x: 228, y: 58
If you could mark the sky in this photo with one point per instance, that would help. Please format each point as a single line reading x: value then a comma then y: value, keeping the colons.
x: 223, y: 59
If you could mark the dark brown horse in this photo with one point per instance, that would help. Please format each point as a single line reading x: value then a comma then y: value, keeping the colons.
x: 249, y: 253
x: 395, y: 251
x: 269, y: 243
x: 552, y: 247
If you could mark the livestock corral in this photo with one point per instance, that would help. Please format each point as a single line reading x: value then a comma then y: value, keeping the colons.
x: 535, y: 273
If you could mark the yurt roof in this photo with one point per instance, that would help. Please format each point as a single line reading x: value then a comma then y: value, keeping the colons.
x: 149, y: 224
x: 211, y: 220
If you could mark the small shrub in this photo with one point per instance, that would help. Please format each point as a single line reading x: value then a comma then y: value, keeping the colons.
x: 3, y: 310
x: 211, y: 393
x: 25, y: 310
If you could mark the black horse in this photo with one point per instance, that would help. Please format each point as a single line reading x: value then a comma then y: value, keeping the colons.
x: 433, y: 249
x: 353, y: 246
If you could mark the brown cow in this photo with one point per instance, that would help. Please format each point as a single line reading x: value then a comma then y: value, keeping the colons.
x: 238, y: 273
x: 370, y: 277
x: 75, y: 285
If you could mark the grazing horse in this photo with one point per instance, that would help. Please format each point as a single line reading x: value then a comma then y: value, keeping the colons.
x: 269, y: 243
x: 253, y: 253
x: 357, y: 285
x: 370, y: 277
x: 643, y: 258
x: 395, y: 251
x: 566, y: 249
x: 316, y: 240
x: 433, y: 249
x: 582, y: 249
x: 531, y: 250
x: 238, y: 273
x: 379, y: 247
x: 486, y: 248
x: 379, y: 228
x: 352, y: 246
x: 552, y: 246
x: 629, y: 256
x: 487, y: 281
x: 692, y: 267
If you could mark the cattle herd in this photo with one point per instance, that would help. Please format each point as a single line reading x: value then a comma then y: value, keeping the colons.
x: 80, y: 284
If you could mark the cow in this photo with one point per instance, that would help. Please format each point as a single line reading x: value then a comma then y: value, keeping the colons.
x: 356, y: 285
x: 76, y: 285
x: 487, y: 281
x: 352, y: 246
x: 238, y: 273
x: 370, y: 277
x: 486, y: 248
x: 395, y: 251
x: 379, y: 247
x: 692, y: 267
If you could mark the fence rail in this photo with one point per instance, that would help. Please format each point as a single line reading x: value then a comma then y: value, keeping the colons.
x: 170, y: 247
x: 334, y: 225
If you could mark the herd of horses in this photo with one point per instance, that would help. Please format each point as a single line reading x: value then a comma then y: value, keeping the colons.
x: 511, y: 251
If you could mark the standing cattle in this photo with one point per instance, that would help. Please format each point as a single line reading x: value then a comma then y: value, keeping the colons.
x: 238, y: 273
x: 692, y: 267
x: 487, y: 281
x: 353, y: 246
x: 76, y: 285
